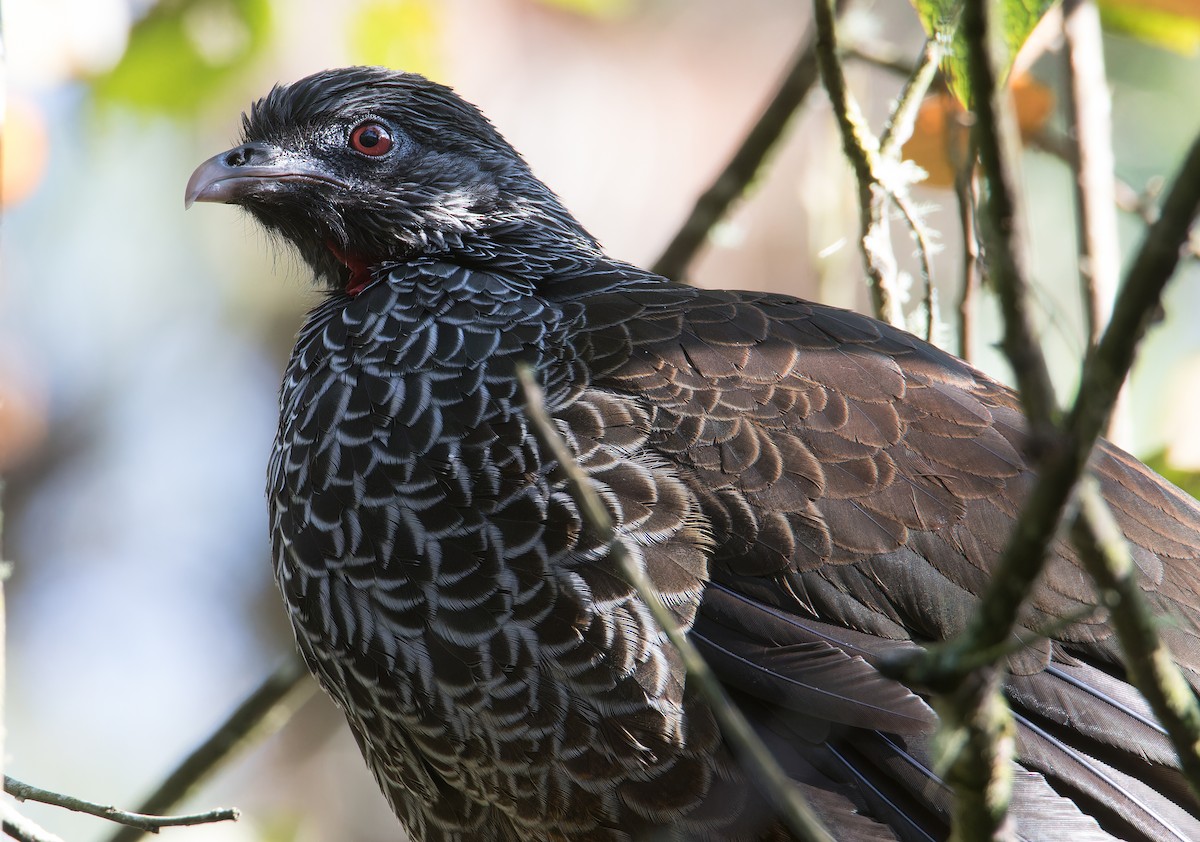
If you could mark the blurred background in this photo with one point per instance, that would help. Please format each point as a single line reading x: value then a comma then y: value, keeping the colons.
x: 141, y: 347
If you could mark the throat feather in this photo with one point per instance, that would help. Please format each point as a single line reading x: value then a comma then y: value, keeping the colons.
x: 360, y: 270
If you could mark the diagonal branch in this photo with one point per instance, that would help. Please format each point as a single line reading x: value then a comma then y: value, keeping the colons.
x: 714, y: 203
x: 1102, y: 376
x: 1060, y: 465
x: 903, y: 119
x: 861, y: 148
x: 1148, y: 661
x: 1103, y: 373
x: 16, y: 826
x: 773, y: 781
x: 282, y: 690
x: 924, y: 248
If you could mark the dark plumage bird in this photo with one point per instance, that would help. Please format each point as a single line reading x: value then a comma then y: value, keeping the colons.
x: 810, y: 491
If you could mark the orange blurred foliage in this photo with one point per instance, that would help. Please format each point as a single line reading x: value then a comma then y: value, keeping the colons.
x: 23, y: 423
x: 24, y: 151
x: 939, y: 140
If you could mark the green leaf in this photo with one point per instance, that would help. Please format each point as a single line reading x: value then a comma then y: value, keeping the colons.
x: 1015, y: 20
x: 1165, y: 27
x: 183, y: 52
x: 397, y: 33
x: 1189, y: 481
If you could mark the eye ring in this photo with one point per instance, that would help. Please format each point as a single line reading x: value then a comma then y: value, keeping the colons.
x: 371, y: 138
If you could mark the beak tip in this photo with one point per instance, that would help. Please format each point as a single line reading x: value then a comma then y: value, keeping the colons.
x: 196, y: 185
x: 210, y: 182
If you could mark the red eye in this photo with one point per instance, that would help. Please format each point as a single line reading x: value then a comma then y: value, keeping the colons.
x: 371, y: 138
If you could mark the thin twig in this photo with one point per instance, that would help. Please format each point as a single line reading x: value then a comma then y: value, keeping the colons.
x: 965, y: 192
x: 920, y: 235
x: 995, y: 139
x: 770, y: 777
x: 1095, y: 193
x: 900, y: 124
x: 1091, y: 118
x: 884, y: 56
x: 1148, y: 661
x: 21, y: 828
x: 152, y: 823
x: 861, y: 149
x: 895, y: 134
x: 858, y: 143
x: 713, y: 204
x: 279, y: 693
x: 1143, y: 204
x: 878, y: 169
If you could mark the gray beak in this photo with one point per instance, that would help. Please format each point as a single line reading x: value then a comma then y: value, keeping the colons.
x: 252, y: 170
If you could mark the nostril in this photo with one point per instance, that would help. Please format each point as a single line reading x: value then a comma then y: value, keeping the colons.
x: 245, y: 155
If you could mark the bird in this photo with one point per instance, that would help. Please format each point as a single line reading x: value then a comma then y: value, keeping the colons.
x: 810, y: 491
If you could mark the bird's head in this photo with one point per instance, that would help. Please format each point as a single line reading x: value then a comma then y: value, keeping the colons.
x: 366, y: 167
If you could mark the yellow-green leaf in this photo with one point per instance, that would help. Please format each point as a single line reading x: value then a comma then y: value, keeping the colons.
x: 1189, y: 481
x: 1013, y: 21
x: 1172, y: 24
x: 181, y: 53
x: 593, y: 8
x: 397, y: 33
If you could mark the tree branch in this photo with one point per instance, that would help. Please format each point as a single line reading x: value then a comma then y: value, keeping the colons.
x: 924, y: 249
x: 27, y: 792
x: 1091, y: 118
x: 17, y: 826
x: 1095, y: 190
x: 773, y: 781
x: 995, y: 140
x: 1147, y: 659
x: 878, y: 168
x: 979, y: 770
x: 279, y: 693
x: 861, y: 149
x: 896, y: 133
x: 966, y: 192
x: 900, y: 124
x: 1101, y: 379
x: 881, y: 55
x: 976, y: 719
x: 1103, y: 373
x: 714, y: 203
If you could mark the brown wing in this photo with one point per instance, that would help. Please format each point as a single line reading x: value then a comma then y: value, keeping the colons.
x: 859, y: 485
